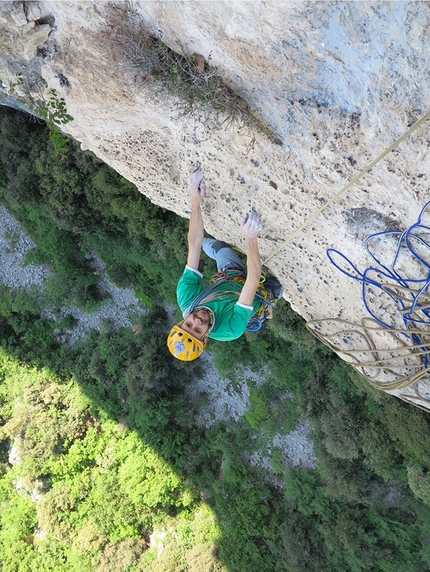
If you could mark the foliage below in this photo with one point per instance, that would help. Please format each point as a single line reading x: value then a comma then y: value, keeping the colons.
x: 78, y: 205
x: 106, y: 454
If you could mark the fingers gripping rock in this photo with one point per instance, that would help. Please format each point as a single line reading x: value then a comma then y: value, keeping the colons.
x: 197, y: 176
x: 251, y: 224
x: 196, y: 182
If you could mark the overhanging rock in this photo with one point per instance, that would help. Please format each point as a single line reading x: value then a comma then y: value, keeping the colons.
x: 337, y: 82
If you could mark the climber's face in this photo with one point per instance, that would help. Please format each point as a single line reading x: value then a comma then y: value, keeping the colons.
x: 197, y: 323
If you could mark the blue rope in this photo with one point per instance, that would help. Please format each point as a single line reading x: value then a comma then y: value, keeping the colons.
x: 383, y: 272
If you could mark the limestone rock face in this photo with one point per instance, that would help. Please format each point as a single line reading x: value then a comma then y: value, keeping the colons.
x: 337, y: 82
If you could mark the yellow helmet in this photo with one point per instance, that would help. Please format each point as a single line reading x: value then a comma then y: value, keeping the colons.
x: 183, y: 345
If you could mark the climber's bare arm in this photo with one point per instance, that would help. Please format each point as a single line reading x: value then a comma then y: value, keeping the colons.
x: 196, y: 228
x: 251, y: 226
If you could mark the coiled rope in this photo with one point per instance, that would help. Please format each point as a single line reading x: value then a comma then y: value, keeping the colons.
x: 388, y: 293
x: 388, y: 361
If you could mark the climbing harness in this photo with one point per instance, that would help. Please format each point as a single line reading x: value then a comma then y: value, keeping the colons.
x: 358, y: 176
x: 388, y: 290
x: 267, y: 301
x: 235, y: 278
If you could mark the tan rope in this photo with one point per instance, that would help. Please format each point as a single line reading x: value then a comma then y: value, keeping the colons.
x: 350, y: 183
x: 404, y: 374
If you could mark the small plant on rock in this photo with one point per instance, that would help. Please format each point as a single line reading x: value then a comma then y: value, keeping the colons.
x: 52, y: 110
x: 198, y: 85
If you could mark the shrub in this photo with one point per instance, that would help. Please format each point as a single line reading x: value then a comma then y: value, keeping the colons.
x: 198, y: 86
x: 259, y: 410
x: 419, y: 481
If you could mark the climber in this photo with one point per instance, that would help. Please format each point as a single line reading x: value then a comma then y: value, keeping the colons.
x: 231, y: 305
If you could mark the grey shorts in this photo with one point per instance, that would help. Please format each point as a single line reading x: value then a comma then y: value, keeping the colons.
x: 222, y: 253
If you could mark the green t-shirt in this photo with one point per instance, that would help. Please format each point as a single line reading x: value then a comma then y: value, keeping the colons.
x: 231, y: 317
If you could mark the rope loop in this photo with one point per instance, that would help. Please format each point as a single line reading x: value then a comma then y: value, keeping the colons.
x: 396, y: 295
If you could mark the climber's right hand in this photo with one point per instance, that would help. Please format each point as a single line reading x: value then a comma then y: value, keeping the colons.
x: 197, y: 184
